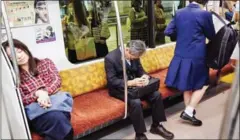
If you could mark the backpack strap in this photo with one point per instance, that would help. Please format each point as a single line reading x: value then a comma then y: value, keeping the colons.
x: 220, y: 18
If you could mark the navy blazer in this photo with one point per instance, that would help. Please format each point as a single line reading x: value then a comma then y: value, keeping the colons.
x: 114, y: 71
x: 190, y: 26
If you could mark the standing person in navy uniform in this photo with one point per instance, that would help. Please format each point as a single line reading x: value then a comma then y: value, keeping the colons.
x: 188, y: 71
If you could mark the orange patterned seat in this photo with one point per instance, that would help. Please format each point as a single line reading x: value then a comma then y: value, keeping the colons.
x: 93, y: 109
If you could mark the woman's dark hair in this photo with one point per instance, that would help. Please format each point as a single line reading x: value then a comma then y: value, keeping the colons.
x: 136, y: 2
x: 155, y: 1
x: 80, y: 12
x: 96, y: 21
x: 32, y: 62
x: 203, y: 2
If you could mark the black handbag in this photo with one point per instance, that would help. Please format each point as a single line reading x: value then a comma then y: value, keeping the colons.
x: 139, y: 92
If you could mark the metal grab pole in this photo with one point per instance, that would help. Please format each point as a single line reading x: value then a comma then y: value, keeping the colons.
x: 10, y: 41
x: 123, y: 58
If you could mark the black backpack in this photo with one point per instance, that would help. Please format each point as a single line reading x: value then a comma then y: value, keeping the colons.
x: 220, y: 49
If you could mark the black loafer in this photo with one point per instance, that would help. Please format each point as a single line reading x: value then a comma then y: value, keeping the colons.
x: 194, y: 112
x: 160, y: 130
x: 141, y: 137
x: 194, y: 121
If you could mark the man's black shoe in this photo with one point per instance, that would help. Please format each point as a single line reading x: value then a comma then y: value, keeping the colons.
x: 160, y: 130
x: 141, y: 137
x: 194, y: 121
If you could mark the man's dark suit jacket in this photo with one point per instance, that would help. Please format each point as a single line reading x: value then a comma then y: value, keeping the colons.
x: 114, y: 72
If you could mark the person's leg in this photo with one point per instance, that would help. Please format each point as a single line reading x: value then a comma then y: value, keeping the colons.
x: 70, y: 135
x: 98, y: 49
x: 187, y: 97
x: 136, y: 115
x: 103, y: 50
x: 189, y: 113
x: 162, y: 38
x: 72, y: 56
x: 135, y: 112
x: 197, y: 96
x: 158, y: 115
x: 52, y: 125
x: 68, y: 115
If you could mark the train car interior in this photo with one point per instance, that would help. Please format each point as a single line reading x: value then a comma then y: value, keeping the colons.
x: 77, y: 36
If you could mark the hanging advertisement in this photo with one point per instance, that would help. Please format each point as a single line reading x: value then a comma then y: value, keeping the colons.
x: 45, y: 34
x: 26, y: 13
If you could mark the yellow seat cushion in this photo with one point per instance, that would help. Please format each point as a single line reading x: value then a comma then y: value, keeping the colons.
x: 228, y: 78
x: 164, y: 56
x: 91, y: 77
x: 84, y: 79
x: 149, y: 61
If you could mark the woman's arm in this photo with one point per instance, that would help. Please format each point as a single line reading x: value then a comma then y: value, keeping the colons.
x: 27, y: 98
x: 133, y: 18
x: 55, y: 81
x: 209, y: 29
x: 85, y: 30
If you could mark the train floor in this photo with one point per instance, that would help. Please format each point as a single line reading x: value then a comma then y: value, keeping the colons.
x: 210, y: 111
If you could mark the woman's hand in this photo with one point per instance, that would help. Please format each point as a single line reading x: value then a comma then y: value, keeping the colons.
x: 43, y: 99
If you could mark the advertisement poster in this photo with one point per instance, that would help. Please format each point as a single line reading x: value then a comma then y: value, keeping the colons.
x: 45, y: 34
x: 25, y: 13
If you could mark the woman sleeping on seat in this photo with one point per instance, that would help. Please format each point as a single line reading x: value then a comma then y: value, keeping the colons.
x: 47, y: 108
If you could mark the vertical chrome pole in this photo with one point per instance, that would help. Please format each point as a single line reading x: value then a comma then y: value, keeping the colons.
x: 15, y: 67
x: 11, y: 45
x: 123, y: 57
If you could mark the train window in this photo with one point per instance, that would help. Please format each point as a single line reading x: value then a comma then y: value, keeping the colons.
x: 136, y: 24
x: 90, y: 27
x: 88, y: 31
x: 164, y: 11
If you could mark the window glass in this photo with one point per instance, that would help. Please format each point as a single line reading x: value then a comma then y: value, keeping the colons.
x: 87, y: 29
x: 90, y: 27
x: 164, y: 12
x: 137, y: 21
